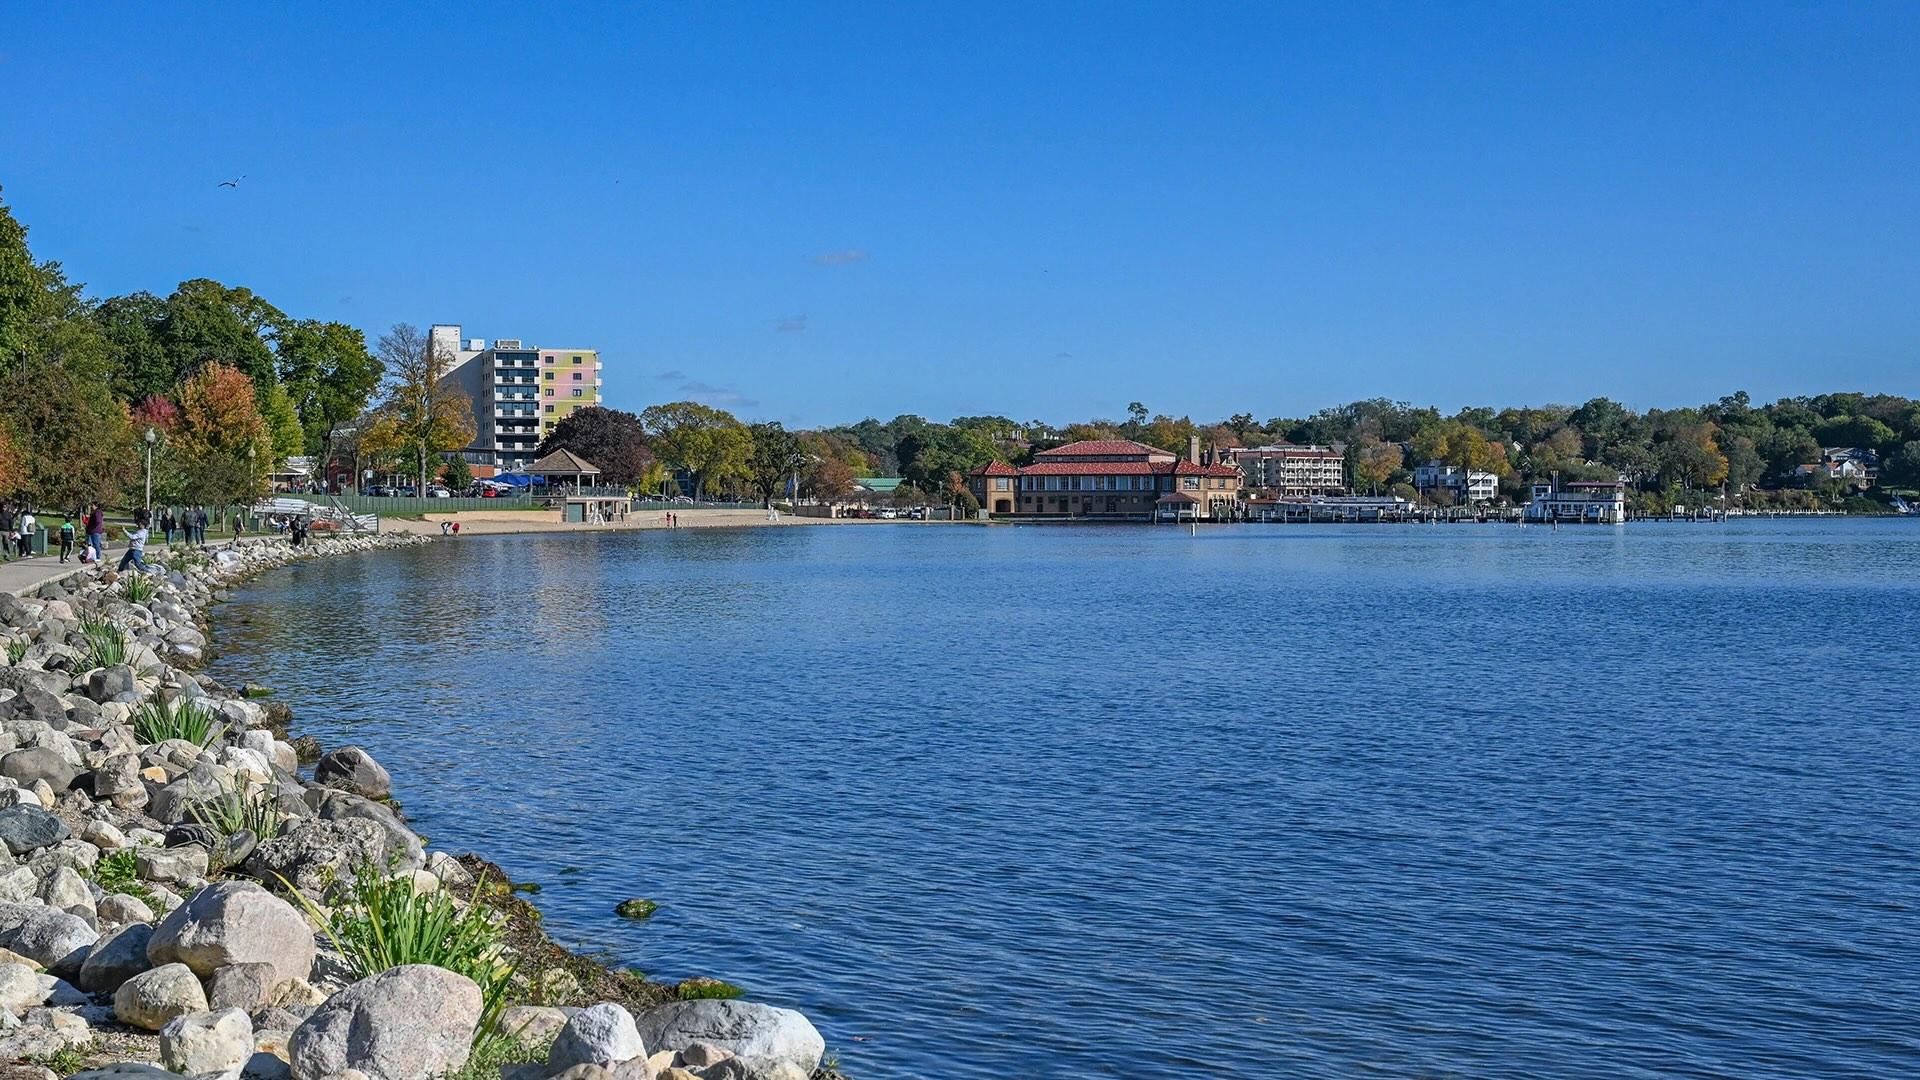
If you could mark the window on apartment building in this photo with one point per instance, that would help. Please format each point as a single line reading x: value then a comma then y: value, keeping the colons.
x: 550, y: 359
x: 549, y: 391
x: 549, y: 376
x: 577, y: 391
x: 549, y: 408
x: 579, y: 359
x: 576, y: 376
x: 1192, y: 483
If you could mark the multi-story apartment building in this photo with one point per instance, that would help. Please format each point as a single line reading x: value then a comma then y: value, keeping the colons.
x: 1475, y: 487
x: 569, y: 380
x: 1290, y: 470
x: 519, y: 391
x: 1110, y: 479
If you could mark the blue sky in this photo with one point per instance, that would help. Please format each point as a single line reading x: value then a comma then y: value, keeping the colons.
x: 818, y: 212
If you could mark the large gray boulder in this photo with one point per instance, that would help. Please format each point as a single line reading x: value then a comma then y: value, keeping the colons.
x: 404, y: 1023
x: 603, y: 1035
x: 403, y: 848
x: 312, y: 854
x: 235, y: 922
x: 151, y: 999
x: 352, y: 769
x: 38, y: 763
x: 54, y: 939
x: 29, y: 828
x: 115, y: 958
x: 773, y: 1043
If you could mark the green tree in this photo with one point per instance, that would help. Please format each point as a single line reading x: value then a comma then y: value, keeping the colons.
x: 73, y: 434
x: 705, y: 441
x: 207, y: 322
x: 457, y: 474
x: 329, y: 375
x: 138, y: 361
x: 612, y: 439
x: 776, y: 457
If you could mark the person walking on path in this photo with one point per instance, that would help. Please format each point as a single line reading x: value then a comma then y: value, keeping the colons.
x: 27, y: 525
x: 6, y: 530
x: 166, y: 526
x: 66, y: 538
x: 136, y: 544
x: 199, y: 527
x: 96, y: 524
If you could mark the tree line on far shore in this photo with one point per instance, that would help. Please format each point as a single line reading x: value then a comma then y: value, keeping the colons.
x: 230, y: 386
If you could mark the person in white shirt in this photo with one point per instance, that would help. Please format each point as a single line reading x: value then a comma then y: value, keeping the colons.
x: 26, y: 533
x: 136, y: 544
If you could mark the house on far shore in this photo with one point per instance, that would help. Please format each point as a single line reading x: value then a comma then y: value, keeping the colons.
x: 1110, y: 480
x: 1854, y: 464
x: 1595, y: 502
x: 1477, y: 487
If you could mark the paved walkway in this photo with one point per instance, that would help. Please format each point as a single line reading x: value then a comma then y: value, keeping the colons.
x: 22, y: 576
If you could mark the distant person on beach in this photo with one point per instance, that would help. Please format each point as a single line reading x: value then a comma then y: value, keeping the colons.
x: 66, y: 538
x: 26, y: 531
x: 96, y: 523
x: 136, y: 555
x: 446, y: 528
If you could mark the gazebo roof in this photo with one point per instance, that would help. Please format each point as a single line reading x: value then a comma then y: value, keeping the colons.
x: 563, y: 462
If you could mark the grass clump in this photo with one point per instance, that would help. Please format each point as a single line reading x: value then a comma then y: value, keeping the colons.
x: 138, y: 589
x: 106, y: 644
x: 65, y: 1061
x: 382, y: 922
x: 160, y: 719
x: 17, y: 650
x: 231, y: 812
x: 116, y: 872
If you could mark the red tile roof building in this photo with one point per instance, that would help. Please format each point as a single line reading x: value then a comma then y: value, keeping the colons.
x: 1111, y: 479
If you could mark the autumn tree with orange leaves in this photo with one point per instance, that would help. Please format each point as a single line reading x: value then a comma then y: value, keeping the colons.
x: 223, y: 445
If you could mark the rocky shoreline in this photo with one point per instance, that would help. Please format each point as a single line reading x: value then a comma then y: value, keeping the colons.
x: 177, y: 901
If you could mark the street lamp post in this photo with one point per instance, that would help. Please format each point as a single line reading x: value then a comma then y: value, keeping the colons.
x: 150, y: 437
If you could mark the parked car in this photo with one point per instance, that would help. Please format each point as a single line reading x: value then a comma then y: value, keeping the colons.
x: 889, y: 513
x: 435, y: 491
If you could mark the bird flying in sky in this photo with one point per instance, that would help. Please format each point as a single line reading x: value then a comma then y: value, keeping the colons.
x: 233, y: 183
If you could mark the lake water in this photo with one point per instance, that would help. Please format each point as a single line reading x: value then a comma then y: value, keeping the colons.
x: 1267, y: 801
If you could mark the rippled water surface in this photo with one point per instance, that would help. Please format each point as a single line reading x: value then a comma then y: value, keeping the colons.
x: 1123, y: 802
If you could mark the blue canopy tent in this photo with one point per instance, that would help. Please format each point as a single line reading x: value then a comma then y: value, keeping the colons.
x: 520, y: 480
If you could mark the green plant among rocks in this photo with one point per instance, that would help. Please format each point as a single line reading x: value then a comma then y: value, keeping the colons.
x: 382, y: 922
x: 232, y: 813
x: 138, y: 589
x: 160, y: 719
x: 17, y: 650
x: 106, y: 644
x: 116, y: 872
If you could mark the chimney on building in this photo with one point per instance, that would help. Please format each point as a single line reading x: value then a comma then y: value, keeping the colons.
x: 1193, y: 449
